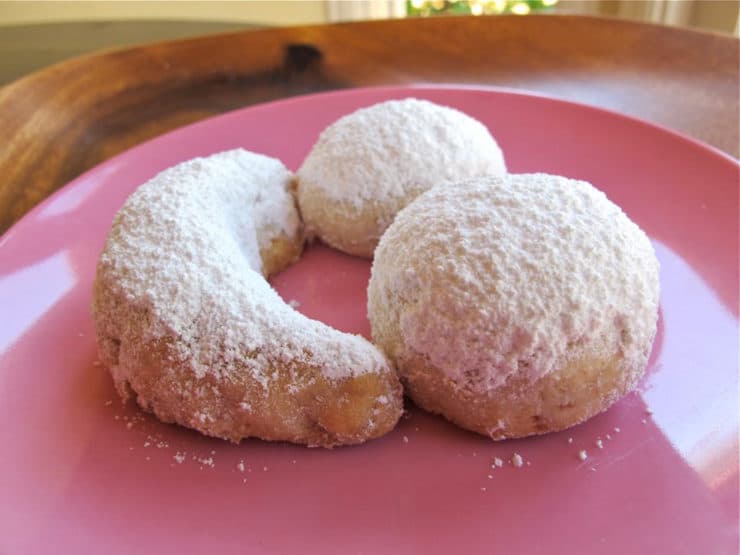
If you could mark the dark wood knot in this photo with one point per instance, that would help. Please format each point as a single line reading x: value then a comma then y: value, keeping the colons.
x: 299, y: 58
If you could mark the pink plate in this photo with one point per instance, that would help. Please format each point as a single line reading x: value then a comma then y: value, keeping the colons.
x: 80, y: 473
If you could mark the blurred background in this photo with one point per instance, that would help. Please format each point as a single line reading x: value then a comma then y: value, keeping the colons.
x: 34, y: 34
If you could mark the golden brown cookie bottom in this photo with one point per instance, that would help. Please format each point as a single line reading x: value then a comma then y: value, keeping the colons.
x: 580, y: 389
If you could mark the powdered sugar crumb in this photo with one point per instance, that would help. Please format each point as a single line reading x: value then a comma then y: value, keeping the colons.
x: 294, y: 303
x: 206, y: 461
x: 599, y: 444
x: 582, y: 454
x: 498, y: 462
x: 179, y: 457
x: 240, y: 466
x: 516, y: 460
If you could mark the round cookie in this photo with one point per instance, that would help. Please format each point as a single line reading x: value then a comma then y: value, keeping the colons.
x: 517, y: 305
x: 368, y: 165
x: 189, y: 326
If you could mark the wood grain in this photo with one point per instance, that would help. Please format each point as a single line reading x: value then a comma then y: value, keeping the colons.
x: 63, y: 120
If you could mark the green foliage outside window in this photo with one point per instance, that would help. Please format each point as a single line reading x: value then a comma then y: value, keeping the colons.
x: 476, y: 7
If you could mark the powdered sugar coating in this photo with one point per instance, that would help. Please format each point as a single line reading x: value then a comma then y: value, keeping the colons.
x: 513, y: 276
x: 185, y: 251
x: 396, y: 148
x: 371, y: 163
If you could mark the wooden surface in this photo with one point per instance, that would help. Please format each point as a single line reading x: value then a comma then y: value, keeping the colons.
x: 60, y: 121
x: 31, y: 47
